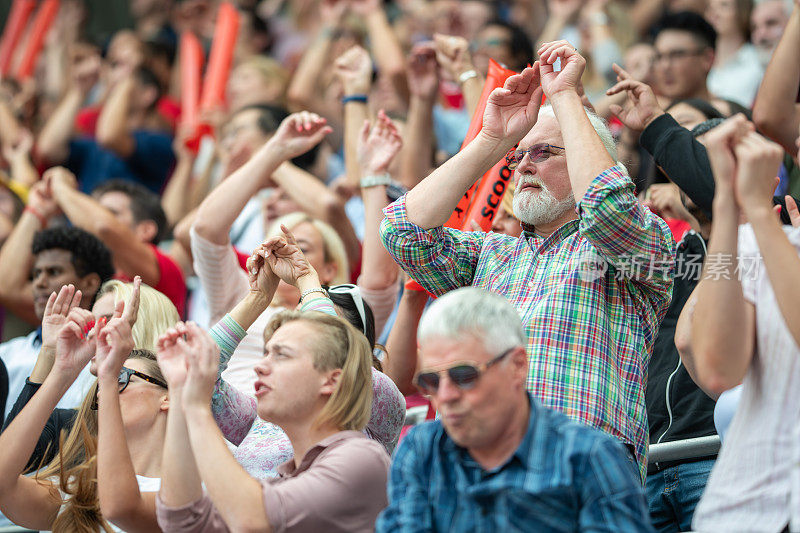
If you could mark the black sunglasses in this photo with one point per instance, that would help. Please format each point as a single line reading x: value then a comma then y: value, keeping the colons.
x: 125, y: 378
x: 464, y: 375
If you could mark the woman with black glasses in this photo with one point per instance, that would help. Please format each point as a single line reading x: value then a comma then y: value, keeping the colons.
x: 108, y: 468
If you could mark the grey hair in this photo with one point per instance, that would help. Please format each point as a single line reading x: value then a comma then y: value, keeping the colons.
x: 600, y: 127
x: 485, y: 315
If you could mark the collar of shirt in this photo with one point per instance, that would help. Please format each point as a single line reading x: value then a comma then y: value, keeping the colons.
x: 288, y: 469
x: 522, y: 454
x: 539, y: 243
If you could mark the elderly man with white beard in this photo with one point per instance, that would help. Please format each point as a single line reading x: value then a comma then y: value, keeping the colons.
x: 591, y: 275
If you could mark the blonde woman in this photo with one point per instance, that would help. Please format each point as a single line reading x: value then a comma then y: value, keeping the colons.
x: 64, y: 496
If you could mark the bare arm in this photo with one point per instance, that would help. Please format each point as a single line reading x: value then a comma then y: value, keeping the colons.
x: 319, y: 201
x: 587, y: 157
x: 236, y: 495
x: 384, y: 44
x: 378, y: 146
x: 118, y: 492
x: 453, y: 54
x: 401, y: 347
x: 297, y: 134
x: 510, y: 113
x: 723, y: 322
x: 18, y: 156
x: 112, y: 125
x: 16, y: 257
x: 9, y: 126
x: 53, y: 141
x: 28, y: 502
x: 354, y: 69
x: 775, y: 111
x: 178, y: 194
x: 131, y: 255
x: 416, y: 156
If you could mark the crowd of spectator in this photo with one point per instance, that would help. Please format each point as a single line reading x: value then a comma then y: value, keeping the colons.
x: 291, y: 308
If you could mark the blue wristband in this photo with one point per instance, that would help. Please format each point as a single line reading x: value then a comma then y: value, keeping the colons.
x: 362, y: 98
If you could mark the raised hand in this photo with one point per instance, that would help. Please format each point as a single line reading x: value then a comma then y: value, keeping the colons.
x: 572, y: 66
x: 719, y: 143
x: 452, y: 53
x: 757, y: 163
x: 512, y: 110
x: 259, y: 275
x: 641, y: 107
x: 378, y: 145
x: 115, y: 339
x: 202, y: 355
x: 299, y: 133
x: 332, y: 12
x: 354, y: 69
x: 172, y: 359
x: 41, y: 201
x: 59, y: 177
x: 365, y: 7
x: 56, y: 313
x: 21, y: 149
x: 423, y: 79
x: 792, y: 209
x: 75, y: 343
x: 563, y: 9
x: 664, y: 199
x: 285, y: 258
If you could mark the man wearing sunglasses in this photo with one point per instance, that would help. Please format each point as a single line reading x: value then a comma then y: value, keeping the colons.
x: 590, y: 275
x: 497, y: 460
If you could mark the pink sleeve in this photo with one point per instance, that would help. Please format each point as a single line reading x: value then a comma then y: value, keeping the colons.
x: 388, y: 411
x: 221, y: 277
x: 197, y: 517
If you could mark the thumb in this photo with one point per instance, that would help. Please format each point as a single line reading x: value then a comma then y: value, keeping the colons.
x: 616, y: 109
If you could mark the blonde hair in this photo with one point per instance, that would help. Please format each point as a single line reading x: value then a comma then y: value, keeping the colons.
x: 76, y: 463
x: 333, y: 246
x: 508, y: 199
x: 157, y: 313
x: 269, y: 69
x: 337, y: 345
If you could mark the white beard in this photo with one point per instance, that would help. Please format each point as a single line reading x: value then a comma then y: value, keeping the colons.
x: 537, y: 208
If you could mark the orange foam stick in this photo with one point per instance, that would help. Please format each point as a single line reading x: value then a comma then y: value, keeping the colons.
x: 41, y: 24
x: 496, y: 77
x: 220, y: 58
x: 191, y: 69
x: 17, y: 20
x: 488, y: 196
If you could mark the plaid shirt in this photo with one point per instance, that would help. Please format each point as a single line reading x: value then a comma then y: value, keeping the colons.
x: 563, y: 477
x: 591, y: 297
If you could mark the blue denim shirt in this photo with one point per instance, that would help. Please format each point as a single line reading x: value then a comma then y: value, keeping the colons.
x: 563, y: 477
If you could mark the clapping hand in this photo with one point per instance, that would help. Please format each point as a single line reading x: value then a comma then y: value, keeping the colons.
x: 115, y: 339
x: 298, y: 133
x: 202, y: 356
x: 172, y: 358
x: 56, y: 313
x: 423, y: 78
x: 285, y: 258
x: 378, y: 145
x: 354, y: 69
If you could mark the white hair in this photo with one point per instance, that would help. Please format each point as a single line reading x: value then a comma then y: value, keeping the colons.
x: 600, y: 127
x: 484, y: 315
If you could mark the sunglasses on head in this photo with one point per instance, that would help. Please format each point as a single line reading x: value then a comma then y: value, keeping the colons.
x: 125, y: 378
x: 537, y: 153
x: 464, y: 375
x: 355, y: 294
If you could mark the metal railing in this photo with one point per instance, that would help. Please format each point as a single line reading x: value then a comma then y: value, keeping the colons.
x: 683, y: 449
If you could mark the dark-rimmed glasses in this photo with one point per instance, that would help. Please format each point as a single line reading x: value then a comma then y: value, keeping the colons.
x: 463, y: 374
x: 125, y: 378
x: 537, y: 153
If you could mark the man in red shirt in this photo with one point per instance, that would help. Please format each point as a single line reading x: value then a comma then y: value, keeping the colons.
x: 129, y: 219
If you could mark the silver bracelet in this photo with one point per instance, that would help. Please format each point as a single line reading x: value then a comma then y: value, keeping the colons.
x: 467, y: 75
x: 375, y: 180
x: 314, y: 289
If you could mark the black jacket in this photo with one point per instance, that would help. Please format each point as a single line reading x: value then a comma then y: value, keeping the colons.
x: 60, y: 419
x: 685, y: 162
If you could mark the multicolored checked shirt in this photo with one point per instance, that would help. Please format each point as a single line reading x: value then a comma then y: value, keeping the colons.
x: 591, y: 297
